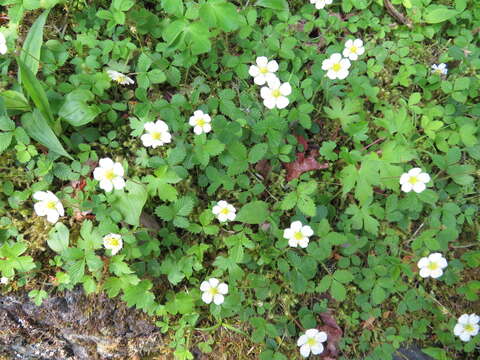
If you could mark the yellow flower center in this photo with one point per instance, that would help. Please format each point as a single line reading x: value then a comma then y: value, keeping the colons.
x: 51, y: 205
x: 276, y: 93
x: 109, y: 175
x: 433, y: 266
x: 224, y: 211
x: 113, y: 241
x: 353, y: 49
x: 311, y: 342
x: 337, y: 67
x: 263, y: 70
x: 201, y: 122
x: 438, y: 71
x: 214, y: 291
x: 468, y: 327
x: 156, y: 135
x: 120, y: 79
x: 413, y: 180
x: 298, y: 235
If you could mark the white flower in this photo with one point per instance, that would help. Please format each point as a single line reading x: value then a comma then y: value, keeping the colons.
x: 120, y: 78
x: 336, y: 66
x: 200, y: 122
x: 440, y: 69
x: 275, y: 94
x: 467, y: 326
x: 113, y: 242
x: 156, y: 134
x: 4, y: 280
x: 263, y: 71
x: 432, y: 266
x: 320, y: 4
x: 109, y: 174
x: 48, y: 205
x: 224, y: 211
x: 414, y: 180
x: 213, y: 290
x: 353, y: 48
x: 298, y: 234
x: 3, y: 44
x: 311, y: 341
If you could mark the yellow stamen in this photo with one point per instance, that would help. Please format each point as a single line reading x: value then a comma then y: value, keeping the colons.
x: 413, y: 180
x: 468, y: 327
x: 224, y: 211
x: 337, y: 67
x: 51, y: 205
x: 155, y: 135
x: 113, y: 241
x: 298, y: 235
x: 201, y: 122
x: 263, y: 70
x: 214, y: 291
x: 311, y: 342
x: 433, y: 266
x: 276, y: 93
x: 109, y: 174
x: 120, y: 79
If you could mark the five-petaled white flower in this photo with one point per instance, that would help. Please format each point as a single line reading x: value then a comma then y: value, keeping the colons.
x: 110, y: 175
x: 156, y: 134
x: 275, y: 94
x: 353, y: 48
x: 224, y: 211
x: 311, y: 341
x: 336, y: 66
x: 113, y: 242
x: 200, y: 122
x: 4, y: 280
x: 120, y: 78
x: 440, y: 69
x: 263, y: 71
x: 432, y: 265
x: 48, y: 205
x: 213, y: 290
x: 414, y: 180
x: 320, y: 4
x: 3, y: 44
x: 467, y: 326
x: 298, y: 234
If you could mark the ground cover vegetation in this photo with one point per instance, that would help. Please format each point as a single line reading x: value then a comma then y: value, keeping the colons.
x: 274, y: 179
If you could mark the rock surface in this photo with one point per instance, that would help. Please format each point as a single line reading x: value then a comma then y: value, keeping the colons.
x: 72, y: 326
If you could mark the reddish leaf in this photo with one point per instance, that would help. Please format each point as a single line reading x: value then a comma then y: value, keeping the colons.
x: 334, y: 334
x: 263, y: 167
x: 305, y: 161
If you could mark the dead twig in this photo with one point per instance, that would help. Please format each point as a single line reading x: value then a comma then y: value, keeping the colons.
x: 397, y: 14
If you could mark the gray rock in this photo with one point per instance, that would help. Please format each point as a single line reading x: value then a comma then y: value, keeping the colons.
x: 72, y: 326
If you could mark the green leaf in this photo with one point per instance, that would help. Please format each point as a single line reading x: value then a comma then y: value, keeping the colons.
x: 37, y: 128
x: 173, y: 7
x: 5, y: 140
x: 344, y: 276
x: 255, y: 212
x: 220, y: 13
x: 38, y: 296
x: 75, y: 109
x: 130, y: 202
x: 58, y: 238
x: 280, y: 5
x: 435, y: 14
x: 15, y: 100
x: 35, y: 90
x: 257, y: 152
x: 378, y: 295
x: 338, y: 291
x: 197, y: 37
x: 30, y: 54
x: 139, y: 295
